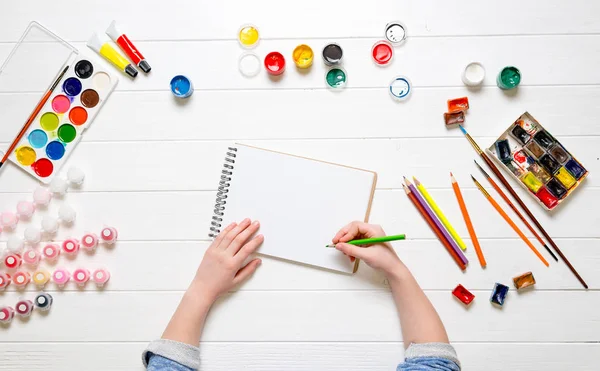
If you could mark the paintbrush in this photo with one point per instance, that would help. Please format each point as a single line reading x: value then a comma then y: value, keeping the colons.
x: 514, y: 208
x: 509, y: 221
x: 29, y: 121
x: 516, y: 197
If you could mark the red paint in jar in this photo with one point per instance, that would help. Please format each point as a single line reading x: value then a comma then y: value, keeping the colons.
x: 382, y: 52
x: 275, y: 63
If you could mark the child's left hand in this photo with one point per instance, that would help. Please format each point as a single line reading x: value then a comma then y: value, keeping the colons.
x: 223, y: 267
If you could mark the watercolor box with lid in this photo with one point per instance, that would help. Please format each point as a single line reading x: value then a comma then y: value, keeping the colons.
x: 31, y: 68
x: 538, y: 161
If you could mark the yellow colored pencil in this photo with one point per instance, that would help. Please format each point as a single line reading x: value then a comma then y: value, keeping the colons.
x: 440, y: 215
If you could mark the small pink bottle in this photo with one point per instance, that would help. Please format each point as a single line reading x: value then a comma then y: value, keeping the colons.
x: 6, y: 314
x: 89, y: 241
x: 8, y: 220
x: 32, y: 258
x: 109, y: 235
x: 100, y: 277
x: 81, y: 276
x: 61, y: 277
x: 24, y: 308
x: 21, y: 279
x: 13, y: 261
x: 5, y: 280
x: 51, y: 252
x: 70, y: 246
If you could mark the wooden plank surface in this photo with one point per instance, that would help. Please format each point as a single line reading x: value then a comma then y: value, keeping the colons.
x: 152, y: 166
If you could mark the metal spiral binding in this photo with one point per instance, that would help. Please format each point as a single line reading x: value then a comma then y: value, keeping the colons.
x: 224, y: 183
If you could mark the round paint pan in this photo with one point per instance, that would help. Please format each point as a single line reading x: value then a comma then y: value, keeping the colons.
x: 400, y: 88
x: 38, y: 138
x: 336, y: 78
x: 249, y: 64
x: 55, y: 150
x: 248, y: 36
x: 101, y: 80
x: 49, y: 121
x: 84, y: 69
x: 78, y: 116
x: 395, y: 33
x: 61, y: 104
x: 43, y: 167
x: 89, y: 98
x: 72, y: 86
x: 26, y: 156
x: 382, y: 53
x: 473, y: 74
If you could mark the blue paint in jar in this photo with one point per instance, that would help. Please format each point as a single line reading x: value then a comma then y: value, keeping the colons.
x: 38, y: 138
x: 55, y: 150
x: 181, y: 86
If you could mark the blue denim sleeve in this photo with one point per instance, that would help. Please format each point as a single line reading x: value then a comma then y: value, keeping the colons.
x: 158, y: 363
x: 428, y: 364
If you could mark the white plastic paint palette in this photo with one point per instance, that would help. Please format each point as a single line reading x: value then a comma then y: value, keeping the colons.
x: 63, y: 119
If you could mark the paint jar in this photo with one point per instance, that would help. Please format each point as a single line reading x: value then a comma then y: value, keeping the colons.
x: 6, y: 314
x: 61, y: 277
x: 395, y: 33
x: 25, y: 209
x: 81, y: 276
x: 41, y: 278
x: 382, y: 53
x: 509, y: 78
x: 100, y: 277
x: 248, y: 36
x: 51, y: 252
x: 13, y: 261
x: 24, y: 308
x: 336, y: 78
x: 32, y: 258
x: 109, y: 235
x: 5, y: 280
x: 42, y: 197
x: 303, y: 56
x: 332, y: 54
x: 181, y: 86
x: 21, y: 279
x: 473, y: 74
x: 249, y: 64
x: 275, y: 63
x: 89, y: 241
x: 70, y: 246
x: 400, y: 88
x: 8, y: 220
x: 43, y: 301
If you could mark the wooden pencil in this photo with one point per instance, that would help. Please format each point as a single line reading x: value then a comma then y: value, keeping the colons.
x: 465, y: 214
x: 29, y: 121
x: 514, y: 208
x: 437, y: 222
x: 440, y: 214
x: 509, y: 221
x: 433, y: 227
x: 516, y: 197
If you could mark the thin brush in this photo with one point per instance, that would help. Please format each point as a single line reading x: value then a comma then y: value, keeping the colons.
x: 29, y: 121
x: 516, y: 197
x: 514, y: 208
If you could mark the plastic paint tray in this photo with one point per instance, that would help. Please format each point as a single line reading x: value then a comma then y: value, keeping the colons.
x: 538, y: 161
x: 29, y: 71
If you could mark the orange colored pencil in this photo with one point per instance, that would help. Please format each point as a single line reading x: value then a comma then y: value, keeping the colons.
x: 512, y: 206
x: 437, y: 232
x: 465, y: 214
x: 509, y: 221
x: 29, y: 121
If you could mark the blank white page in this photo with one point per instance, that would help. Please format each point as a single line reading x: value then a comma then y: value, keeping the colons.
x: 301, y: 203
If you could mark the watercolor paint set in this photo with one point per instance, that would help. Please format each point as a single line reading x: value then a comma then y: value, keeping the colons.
x: 74, y: 87
x: 538, y: 161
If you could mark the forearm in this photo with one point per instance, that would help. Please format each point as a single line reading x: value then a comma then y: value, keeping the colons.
x: 418, y: 318
x: 187, y: 322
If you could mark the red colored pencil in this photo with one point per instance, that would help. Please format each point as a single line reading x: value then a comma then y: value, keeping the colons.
x: 435, y: 229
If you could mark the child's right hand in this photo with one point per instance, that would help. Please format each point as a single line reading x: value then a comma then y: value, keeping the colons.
x: 379, y: 256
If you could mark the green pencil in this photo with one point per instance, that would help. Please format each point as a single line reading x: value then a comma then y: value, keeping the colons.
x: 368, y: 241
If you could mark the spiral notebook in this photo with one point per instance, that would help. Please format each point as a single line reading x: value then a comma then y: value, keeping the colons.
x: 300, y: 202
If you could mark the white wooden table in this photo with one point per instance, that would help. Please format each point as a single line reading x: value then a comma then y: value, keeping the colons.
x: 152, y: 169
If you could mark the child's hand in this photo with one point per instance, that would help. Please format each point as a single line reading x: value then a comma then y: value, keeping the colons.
x: 222, y: 266
x: 379, y: 256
